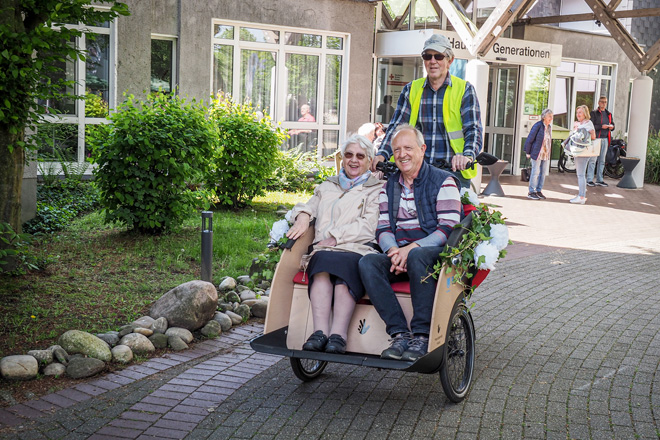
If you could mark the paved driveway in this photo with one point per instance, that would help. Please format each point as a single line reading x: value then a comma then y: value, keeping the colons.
x: 567, y: 347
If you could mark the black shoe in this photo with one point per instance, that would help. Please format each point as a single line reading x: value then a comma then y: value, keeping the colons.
x: 533, y: 196
x: 591, y: 184
x: 416, y: 349
x: 540, y: 195
x: 316, y: 342
x: 399, y: 344
x: 601, y: 184
x: 336, y: 344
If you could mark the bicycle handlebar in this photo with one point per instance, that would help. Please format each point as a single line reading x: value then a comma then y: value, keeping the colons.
x: 483, y: 159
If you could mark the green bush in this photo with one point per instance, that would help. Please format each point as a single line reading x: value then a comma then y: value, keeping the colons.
x: 60, y: 202
x: 148, y: 156
x: 249, y: 150
x: 293, y: 171
x: 652, y: 170
x: 15, y: 255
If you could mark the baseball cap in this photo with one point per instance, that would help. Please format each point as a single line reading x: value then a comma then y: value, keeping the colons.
x: 439, y: 43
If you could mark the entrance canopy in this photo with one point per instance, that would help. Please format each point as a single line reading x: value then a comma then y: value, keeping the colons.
x: 480, y: 36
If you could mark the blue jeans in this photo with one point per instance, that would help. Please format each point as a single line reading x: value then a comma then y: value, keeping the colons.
x: 581, y: 169
x: 598, y: 161
x: 537, y: 176
x: 376, y: 277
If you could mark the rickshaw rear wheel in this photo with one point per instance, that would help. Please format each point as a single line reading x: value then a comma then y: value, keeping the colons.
x: 307, y: 369
x: 458, y: 357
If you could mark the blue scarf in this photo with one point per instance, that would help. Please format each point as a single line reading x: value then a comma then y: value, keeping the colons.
x: 346, y: 183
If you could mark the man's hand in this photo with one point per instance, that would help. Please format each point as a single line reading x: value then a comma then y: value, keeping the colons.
x: 299, y: 227
x: 459, y: 162
x: 399, y: 257
x: 378, y: 158
x: 330, y: 242
x: 528, y: 156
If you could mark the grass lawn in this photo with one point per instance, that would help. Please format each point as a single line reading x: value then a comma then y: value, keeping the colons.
x: 105, y: 276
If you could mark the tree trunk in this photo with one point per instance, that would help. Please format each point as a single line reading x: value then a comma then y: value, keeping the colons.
x: 11, y: 179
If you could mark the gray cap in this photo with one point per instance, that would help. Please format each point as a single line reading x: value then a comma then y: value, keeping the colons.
x: 439, y: 43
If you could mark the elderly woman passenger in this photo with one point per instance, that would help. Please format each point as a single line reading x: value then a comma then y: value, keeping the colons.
x: 346, y: 211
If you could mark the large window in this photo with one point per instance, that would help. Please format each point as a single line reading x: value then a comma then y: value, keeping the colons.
x: 163, y: 63
x: 297, y: 76
x: 61, y: 137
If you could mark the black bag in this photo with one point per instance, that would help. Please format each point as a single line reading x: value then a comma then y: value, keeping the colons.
x: 526, y: 172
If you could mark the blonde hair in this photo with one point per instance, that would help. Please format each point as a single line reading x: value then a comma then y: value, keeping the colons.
x: 585, y: 111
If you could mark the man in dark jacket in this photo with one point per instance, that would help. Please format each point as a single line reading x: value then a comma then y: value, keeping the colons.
x: 604, y: 125
x: 419, y: 207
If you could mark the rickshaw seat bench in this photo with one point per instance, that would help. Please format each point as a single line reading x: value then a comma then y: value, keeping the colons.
x: 399, y: 287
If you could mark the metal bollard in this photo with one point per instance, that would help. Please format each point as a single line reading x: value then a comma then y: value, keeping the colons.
x: 207, y: 245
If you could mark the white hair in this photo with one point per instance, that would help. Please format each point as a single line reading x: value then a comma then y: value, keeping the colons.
x: 419, y: 137
x: 367, y: 129
x: 361, y: 141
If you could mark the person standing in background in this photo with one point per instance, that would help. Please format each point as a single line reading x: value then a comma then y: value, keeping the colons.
x: 603, y: 124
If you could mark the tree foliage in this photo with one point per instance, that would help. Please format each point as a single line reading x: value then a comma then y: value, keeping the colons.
x: 148, y: 157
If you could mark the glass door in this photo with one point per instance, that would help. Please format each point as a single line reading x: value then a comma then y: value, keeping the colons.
x: 501, y: 112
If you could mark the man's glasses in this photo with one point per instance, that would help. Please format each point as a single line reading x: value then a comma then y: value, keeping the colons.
x: 437, y: 56
x: 349, y: 155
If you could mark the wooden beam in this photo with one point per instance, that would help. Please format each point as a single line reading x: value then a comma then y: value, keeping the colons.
x: 636, y: 13
x: 499, y: 19
x: 402, y: 17
x: 387, y: 19
x: 437, y: 8
x: 463, y: 26
x: 613, y: 5
x: 588, y: 16
x: 651, y: 57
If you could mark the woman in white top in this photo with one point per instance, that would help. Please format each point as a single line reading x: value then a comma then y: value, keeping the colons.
x: 582, y: 124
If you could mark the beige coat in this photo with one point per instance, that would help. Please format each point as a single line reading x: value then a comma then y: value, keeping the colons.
x: 348, y: 216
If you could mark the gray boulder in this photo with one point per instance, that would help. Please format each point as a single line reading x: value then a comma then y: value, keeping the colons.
x: 159, y: 340
x: 184, y: 334
x: 176, y: 343
x: 126, y: 329
x: 211, y: 329
x: 250, y: 302
x: 44, y: 357
x: 54, y: 369
x: 159, y: 325
x: 223, y: 320
x: 122, y: 354
x: 144, y: 322
x: 263, y: 285
x: 227, y: 284
x: 260, y: 308
x: 76, y: 341
x: 224, y: 306
x: 84, y: 367
x: 190, y: 305
x: 243, y: 311
x: 59, y: 354
x: 235, y: 319
x: 232, y: 297
x: 265, y: 292
x: 247, y: 294
x: 19, y: 367
x: 143, y: 331
x: 243, y: 279
x: 241, y: 289
x: 138, y: 343
x: 110, y: 338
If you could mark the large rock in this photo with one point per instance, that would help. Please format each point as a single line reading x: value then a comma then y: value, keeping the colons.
x: 232, y: 297
x: 243, y: 279
x: 224, y: 320
x: 159, y: 325
x: 211, y: 329
x: 243, y: 311
x: 176, y: 343
x: 59, y: 354
x: 138, y: 343
x: 76, y: 341
x: 235, y: 319
x: 259, y: 309
x: 19, y: 367
x: 190, y: 305
x: 54, y: 369
x: 159, y: 340
x: 144, y: 331
x: 144, y: 322
x: 184, y: 334
x: 248, y: 294
x: 227, y: 284
x: 122, y: 354
x: 110, y: 338
x: 44, y: 357
x: 84, y: 367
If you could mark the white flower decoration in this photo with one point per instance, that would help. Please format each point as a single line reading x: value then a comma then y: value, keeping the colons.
x: 278, y: 230
x: 499, y: 236
x: 489, y: 252
x: 472, y: 196
x: 287, y: 216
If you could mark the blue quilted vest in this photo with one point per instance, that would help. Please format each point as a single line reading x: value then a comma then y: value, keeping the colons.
x: 426, y: 187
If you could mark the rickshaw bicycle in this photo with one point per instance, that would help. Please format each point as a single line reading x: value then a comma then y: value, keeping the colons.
x: 451, y: 349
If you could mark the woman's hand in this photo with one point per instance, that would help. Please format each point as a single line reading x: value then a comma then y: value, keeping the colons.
x: 528, y: 156
x: 299, y: 227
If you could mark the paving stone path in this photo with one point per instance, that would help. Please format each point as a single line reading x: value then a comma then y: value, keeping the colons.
x: 567, y: 348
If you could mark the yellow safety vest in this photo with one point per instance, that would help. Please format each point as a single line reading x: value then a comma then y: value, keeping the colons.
x: 451, y: 114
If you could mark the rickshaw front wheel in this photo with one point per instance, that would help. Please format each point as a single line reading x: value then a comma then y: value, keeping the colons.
x: 458, y: 360
x: 307, y: 369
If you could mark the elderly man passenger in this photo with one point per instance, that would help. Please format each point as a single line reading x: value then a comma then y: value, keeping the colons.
x: 419, y: 206
x: 346, y: 211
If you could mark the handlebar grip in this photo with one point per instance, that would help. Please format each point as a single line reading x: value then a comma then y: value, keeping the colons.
x: 289, y: 244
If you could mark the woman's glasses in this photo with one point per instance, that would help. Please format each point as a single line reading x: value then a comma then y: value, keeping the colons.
x: 349, y: 155
x: 437, y: 56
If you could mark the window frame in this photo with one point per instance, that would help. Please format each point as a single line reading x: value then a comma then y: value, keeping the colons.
x: 175, y: 62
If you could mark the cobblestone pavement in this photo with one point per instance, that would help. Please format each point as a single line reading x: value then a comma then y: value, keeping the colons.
x: 567, y: 347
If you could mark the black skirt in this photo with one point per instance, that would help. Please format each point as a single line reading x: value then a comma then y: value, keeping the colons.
x: 342, y: 267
